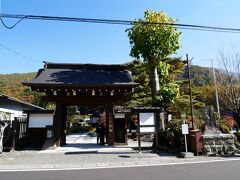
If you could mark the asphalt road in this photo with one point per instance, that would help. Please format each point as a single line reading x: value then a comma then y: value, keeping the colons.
x: 203, y: 171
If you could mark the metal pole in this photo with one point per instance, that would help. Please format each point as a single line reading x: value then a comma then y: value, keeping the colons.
x: 216, y: 90
x: 139, y: 138
x: 156, y: 116
x: 185, y: 138
x: 190, y: 91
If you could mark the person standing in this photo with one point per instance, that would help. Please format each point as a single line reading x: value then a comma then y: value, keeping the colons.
x: 102, y: 135
x: 98, y: 131
x: 102, y: 127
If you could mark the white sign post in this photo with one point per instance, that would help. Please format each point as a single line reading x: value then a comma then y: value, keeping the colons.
x: 184, y: 132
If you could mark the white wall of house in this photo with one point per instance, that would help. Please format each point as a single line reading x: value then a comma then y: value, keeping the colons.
x: 40, y: 120
x: 13, y: 111
x: 13, y: 108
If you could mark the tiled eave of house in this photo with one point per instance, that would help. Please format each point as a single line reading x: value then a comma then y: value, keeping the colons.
x: 7, y: 99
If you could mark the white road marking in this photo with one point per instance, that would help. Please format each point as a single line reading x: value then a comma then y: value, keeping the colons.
x: 114, y: 167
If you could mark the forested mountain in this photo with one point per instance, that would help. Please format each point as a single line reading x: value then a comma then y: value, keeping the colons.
x: 201, y: 76
x: 11, y: 85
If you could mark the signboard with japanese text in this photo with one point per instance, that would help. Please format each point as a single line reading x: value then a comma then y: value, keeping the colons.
x: 185, y: 129
x: 147, y: 124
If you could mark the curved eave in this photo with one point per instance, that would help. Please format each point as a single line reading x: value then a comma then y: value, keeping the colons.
x: 46, y: 85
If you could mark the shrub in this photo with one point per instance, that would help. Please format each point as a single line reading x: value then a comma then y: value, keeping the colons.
x: 238, y: 135
x: 163, y: 138
x: 176, y: 129
x: 172, y: 137
x: 199, y: 124
x: 237, y: 144
x: 223, y: 126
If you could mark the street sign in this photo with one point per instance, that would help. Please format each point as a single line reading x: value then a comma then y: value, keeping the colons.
x: 185, y: 129
x: 184, y: 132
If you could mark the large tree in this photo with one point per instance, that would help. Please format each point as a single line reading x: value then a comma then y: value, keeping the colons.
x: 169, y: 70
x: 153, y: 42
x: 141, y: 96
x: 229, y: 82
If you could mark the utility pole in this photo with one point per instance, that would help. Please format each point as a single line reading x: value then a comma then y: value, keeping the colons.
x: 190, y: 91
x: 216, y: 90
x: 215, y: 87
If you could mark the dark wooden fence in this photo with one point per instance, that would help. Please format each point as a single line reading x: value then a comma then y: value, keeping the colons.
x: 15, y: 135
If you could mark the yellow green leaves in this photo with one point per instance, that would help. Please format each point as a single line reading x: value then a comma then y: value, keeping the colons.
x: 149, y: 40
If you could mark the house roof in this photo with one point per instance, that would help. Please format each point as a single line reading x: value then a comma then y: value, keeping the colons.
x: 12, y: 99
x: 39, y: 111
x: 82, y: 75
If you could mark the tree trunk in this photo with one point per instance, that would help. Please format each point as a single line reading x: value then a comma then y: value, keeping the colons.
x: 1, y: 145
x: 1, y: 139
x: 154, y: 82
x: 2, y: 128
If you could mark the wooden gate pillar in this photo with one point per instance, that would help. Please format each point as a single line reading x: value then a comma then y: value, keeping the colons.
x: 64, y: 125
x: 57, y: 123
x: 109, y: 123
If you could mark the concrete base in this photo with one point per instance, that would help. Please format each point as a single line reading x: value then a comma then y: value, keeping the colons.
x: 186, y: 154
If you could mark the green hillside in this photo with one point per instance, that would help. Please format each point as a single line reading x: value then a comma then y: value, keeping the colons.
x: 11, y: 85
x: 201, y: 76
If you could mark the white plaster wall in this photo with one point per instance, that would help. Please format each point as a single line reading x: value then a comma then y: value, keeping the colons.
x: 40, y: 120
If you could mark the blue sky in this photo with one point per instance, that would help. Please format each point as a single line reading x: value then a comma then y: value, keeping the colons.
x: 98, y: 43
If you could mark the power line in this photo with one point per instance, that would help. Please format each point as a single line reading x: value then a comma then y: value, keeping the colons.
x: 17, y: 62
x: 9, y: 57
x: 18, y: 54
x: 208, y: 30
x: 10, y: 27
x: 116, y: 22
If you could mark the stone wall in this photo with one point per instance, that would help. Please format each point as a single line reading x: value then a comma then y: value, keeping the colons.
x: 218, y: 144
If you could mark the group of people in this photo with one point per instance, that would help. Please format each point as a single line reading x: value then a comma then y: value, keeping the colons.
x: 101, y: 128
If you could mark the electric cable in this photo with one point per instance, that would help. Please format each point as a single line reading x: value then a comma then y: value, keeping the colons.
x: 19, y: 54
x: 116, y: 22
x: 11, y: 27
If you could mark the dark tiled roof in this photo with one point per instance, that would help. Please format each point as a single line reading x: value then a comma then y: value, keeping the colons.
x: 83, y: 75
x: 39, y: 111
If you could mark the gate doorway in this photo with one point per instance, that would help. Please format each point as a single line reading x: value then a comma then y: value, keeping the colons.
x: 84, y: 123
x: 120, y: 130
